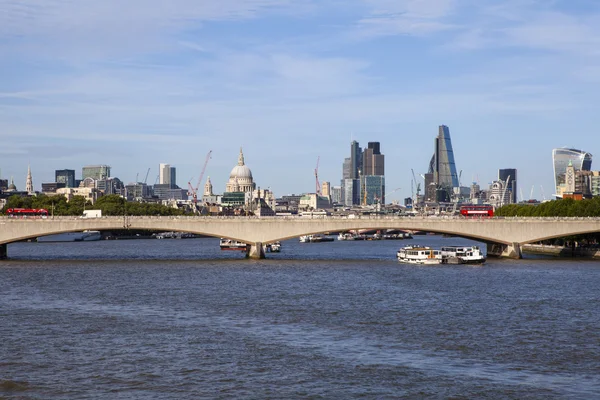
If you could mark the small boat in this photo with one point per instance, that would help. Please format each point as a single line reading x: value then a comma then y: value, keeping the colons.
x: 315, y: 238
x: 462, y: 255
x: 422, y: 255
x: 274, y: 247
x: 346, y: 236
x: 228, y: 244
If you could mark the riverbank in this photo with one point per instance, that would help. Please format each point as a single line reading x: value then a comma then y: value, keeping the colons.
x: 561, y: 251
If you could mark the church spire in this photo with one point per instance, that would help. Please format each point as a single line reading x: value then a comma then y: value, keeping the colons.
x: 208, y: 188
x: 29, y: 183
x: 241, y: 158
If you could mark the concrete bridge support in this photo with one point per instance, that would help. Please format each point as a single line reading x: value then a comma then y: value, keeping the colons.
x: 512, y: 250
x: 3, y: 251
x: 256, y: 251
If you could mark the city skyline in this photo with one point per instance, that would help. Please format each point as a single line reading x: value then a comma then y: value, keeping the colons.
x: 294, y: 81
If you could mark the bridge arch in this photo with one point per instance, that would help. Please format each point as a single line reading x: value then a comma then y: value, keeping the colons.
x: 505, y: 232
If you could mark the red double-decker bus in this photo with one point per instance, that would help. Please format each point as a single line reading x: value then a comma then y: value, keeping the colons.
x: 477, y: 211
x: 27, y: 212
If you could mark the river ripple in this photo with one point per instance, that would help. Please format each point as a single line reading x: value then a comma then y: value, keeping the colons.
x: 180, y: 319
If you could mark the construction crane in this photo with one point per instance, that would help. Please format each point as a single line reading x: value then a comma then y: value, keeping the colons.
x: 317, y: 184
x: 146, y: 179
x: 543, y: 194
x: 531, y: 193
x: 392, y: 192
x: 504, y: 191
x: 193, y: 191
x: 418, y: 185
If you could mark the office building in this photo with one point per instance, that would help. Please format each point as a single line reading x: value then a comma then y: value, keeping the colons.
x: 372, y: 181
x: 510, y: 175
x: 65, y: 176
x: 326, y: 189
x: 52, y: 187
x: 442, y: 167
x: 373, y: 189
x: 355, y: 159
x: 373, y: 162
x: 95, y: 172
x: 336, y: 194
x: 580, y: 160
x: 164, y: 174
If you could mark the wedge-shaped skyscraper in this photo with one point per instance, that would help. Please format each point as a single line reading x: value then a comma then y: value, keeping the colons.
x: 442, y: 169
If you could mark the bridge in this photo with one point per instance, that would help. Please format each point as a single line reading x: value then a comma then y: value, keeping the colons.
x: 504, y: 236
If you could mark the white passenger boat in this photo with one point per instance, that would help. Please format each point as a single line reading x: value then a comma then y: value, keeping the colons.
x: 85, y: 236
x: 228, y: 244
x: 274, y: 247
x: 462, y: 255
x: 419, y: 255
x: 315, y: 238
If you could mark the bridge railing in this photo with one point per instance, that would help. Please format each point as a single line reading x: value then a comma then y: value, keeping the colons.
x: 301, y: 218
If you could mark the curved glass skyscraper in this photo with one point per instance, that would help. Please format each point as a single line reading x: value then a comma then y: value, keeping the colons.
x: 581, y: 160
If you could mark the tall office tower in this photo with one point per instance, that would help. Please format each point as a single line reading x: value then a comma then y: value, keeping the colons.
x: 173, y: 177
x: 96, y: 172
x: 326, y: 189
x: 504, y: 175
x: 355, y: 159
x: 373, y: 161
x: 581, y: 161
x: 442, y: 165
x: 29, y: 182
x: 347, y: 169
x: 164, y: 174
x: 66, y: 176
x: 372, y: 175
x: 352, y: 169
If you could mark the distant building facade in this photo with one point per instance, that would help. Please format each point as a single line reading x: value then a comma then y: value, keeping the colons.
x: 66, y: 176
x: 561, y: 157
x: 95, y: 172
x: 509, y: 176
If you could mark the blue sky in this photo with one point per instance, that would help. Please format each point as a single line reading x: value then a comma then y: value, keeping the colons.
x: 136, y: 83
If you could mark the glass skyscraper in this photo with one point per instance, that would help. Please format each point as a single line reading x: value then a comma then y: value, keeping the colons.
x: 442, y: 166
x: 66, y: 176
x: 506, y: 174
x: 581, y: 160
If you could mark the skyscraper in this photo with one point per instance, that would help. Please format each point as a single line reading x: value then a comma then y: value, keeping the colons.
x: 164, y: 174
x: 95, y: 172
x: 581, y: 161
x: 66, y: 176
x: 352, y: 169
x: 372, y: 179
x: 355, y: 159
x: 506, y: 174
x: 373, y: 161
x: 442, y: 166
x: 173, y: 177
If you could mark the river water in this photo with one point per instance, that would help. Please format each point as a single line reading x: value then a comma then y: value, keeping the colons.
x: 180, y: 319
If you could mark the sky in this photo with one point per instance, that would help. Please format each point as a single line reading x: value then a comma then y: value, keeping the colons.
x: 136, y: 83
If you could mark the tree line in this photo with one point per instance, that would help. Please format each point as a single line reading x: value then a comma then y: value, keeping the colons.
x: 111, y: 205
x: 555, y: 208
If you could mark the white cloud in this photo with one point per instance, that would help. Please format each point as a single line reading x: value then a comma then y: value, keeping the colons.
x: 407, y: 17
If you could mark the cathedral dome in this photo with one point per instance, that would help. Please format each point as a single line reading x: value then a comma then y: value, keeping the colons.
x: 241, y: 172
x: 240, y: 178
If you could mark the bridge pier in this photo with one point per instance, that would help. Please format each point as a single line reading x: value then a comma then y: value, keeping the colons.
x: 3, y: 251
x: 502, y: 250
x: 256, y: 251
